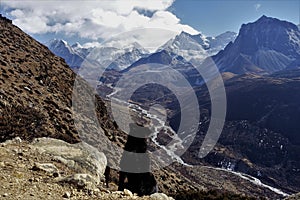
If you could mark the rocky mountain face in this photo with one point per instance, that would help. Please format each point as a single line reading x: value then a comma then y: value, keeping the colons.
x: 265, y: 46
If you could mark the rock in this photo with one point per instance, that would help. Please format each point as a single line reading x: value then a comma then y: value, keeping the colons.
x: 117, y: 192
x: 16, y: 140
x: 68, y: 163
x: 160, y: 196
x: 81, y: 157
x: 46, y: 167
x: 128, y: 193
x: 96, y: 190
x: 80, y: 181
x: 67, y: 195
x: 5, y: 195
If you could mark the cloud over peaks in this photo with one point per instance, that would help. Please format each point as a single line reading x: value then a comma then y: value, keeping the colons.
x: 93, y: 19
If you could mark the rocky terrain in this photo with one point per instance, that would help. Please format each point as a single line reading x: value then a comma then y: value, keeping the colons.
x: 36, y: 171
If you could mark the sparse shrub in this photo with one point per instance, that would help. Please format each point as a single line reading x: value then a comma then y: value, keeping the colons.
x: 25, y: 122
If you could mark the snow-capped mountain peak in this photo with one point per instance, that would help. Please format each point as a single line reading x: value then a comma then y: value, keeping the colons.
x: 195, y: 48
x: 105, y: 55
x: 57, y: 43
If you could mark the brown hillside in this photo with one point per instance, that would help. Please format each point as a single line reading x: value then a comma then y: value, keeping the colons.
x: 36, y: 89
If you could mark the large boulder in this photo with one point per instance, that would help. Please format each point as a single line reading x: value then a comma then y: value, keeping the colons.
x: 81, y: 157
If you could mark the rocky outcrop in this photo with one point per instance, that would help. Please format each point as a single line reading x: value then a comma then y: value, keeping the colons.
x: 81, y: 157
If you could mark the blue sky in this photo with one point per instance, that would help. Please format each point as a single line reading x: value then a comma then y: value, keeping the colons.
x: 93, y: 21
x: 213, y: 17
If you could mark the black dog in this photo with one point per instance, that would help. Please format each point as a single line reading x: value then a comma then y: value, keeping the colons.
x: 135, y: 163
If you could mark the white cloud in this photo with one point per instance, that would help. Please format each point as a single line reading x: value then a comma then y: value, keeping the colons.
x: 94, y: 19
x: 257, y: 6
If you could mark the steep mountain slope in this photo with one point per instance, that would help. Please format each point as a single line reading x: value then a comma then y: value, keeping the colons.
x: 36, y: 90
x: 265, y: 46
x: 271, y: 104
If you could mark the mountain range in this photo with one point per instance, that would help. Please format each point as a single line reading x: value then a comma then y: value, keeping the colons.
x: 106, y: 57
x: 193, y: 48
